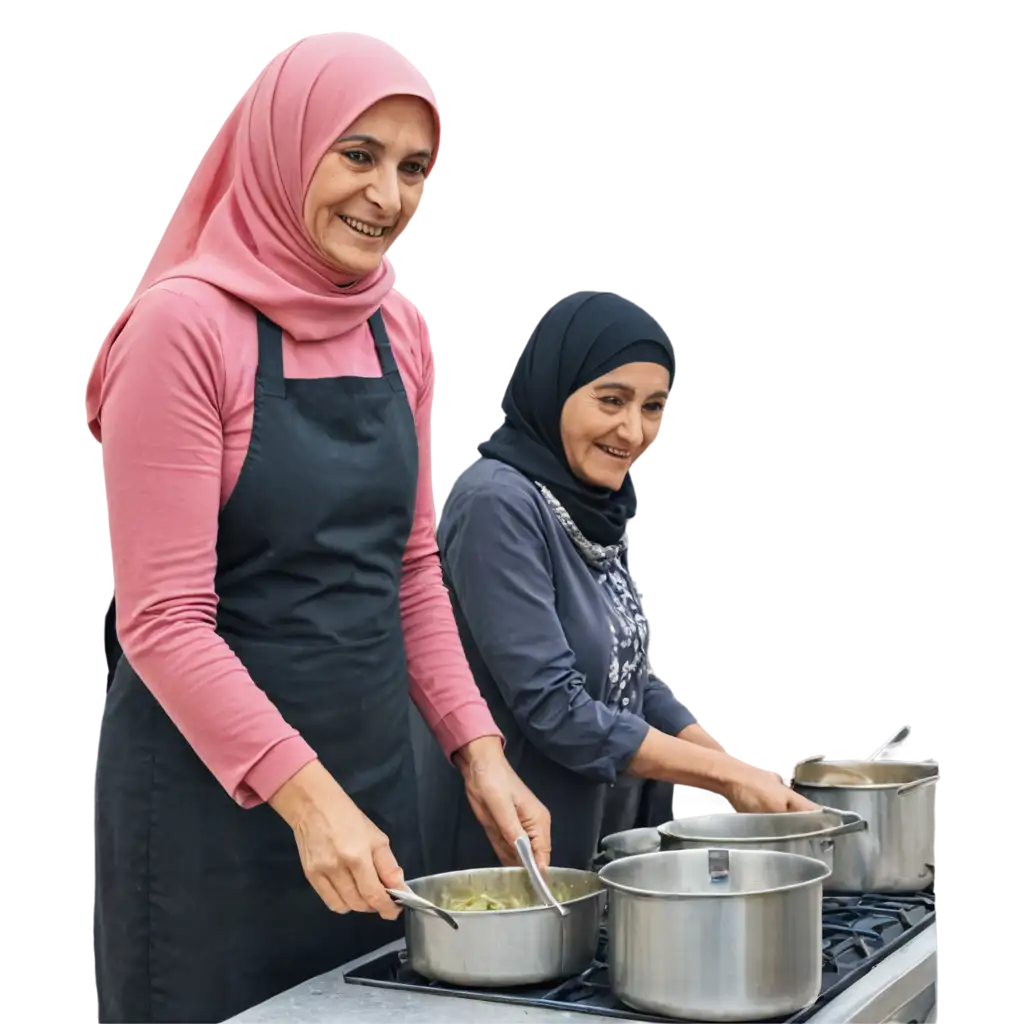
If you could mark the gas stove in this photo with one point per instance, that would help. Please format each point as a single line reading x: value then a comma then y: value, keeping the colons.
x: 858, y: 933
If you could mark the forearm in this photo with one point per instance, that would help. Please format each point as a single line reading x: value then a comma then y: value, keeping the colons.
x: 232, y: 726
x: 695, y: 734
x: 671, y: 759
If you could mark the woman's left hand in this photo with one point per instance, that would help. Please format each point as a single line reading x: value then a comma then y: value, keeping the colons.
x: 502, y: 804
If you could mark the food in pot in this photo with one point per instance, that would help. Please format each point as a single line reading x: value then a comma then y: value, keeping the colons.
x: 837, y: 776
x: 506, y: 901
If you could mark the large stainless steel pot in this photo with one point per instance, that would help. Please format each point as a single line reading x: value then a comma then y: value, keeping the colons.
x: 809, y: 833
x: 715, y: 935
x: 498, y: 948
x: 897, y: 799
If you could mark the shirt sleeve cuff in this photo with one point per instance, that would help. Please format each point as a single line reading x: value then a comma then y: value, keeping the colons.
x: 273, y: 770
x: 463, y: 725
x: 630, y: 732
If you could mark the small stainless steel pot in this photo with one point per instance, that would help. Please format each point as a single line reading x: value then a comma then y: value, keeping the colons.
x: 814, y: 834
x: 715, y: 935
x: 500, y: 948
x: 630, y: 843
x: 896, y: 854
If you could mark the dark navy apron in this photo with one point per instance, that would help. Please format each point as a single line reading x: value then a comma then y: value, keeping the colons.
x: 202, y: 909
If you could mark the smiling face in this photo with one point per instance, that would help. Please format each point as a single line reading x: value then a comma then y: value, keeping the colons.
x: 368, y: 184
x: 610, y: 422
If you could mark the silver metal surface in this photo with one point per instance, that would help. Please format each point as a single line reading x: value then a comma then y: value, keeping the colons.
x: 688, y: 939
x: 891, y: 743
x: 540, y: 887
x: 896, y: 854
x: 917, y: 784
x: 413, y: 902
x: 502, y: 948
x: 629, y: 843
x: 807, y: 833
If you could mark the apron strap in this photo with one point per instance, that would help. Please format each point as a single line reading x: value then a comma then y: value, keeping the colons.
x: 271, y: 355
x: 387, y: 358
x: 270, y: 368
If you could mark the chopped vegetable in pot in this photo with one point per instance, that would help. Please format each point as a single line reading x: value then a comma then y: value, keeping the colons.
x: 511, y: 901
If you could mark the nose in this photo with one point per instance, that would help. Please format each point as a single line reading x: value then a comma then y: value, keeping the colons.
x: 384, y: 192
x: 631, y: 427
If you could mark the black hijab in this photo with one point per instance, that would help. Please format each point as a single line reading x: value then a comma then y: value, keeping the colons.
x: 579, y: 339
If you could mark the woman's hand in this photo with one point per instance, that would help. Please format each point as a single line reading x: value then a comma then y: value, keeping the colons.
x: 760, y: 792
x: 750, y: 789
x: 346, y: 858
x: 502, y: 804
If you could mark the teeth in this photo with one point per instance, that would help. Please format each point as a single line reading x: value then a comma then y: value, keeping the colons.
x: 363, y: 228
x: 614, y: 451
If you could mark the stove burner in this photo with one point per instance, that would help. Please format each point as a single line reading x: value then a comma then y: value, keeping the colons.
x: 857, y: 932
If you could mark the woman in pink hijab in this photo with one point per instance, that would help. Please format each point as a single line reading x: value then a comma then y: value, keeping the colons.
x: 264, y: 409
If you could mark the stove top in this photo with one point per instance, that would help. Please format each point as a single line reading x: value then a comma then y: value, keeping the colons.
x: 857, y: 933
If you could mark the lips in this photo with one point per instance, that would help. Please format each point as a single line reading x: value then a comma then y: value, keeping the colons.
x: 364, y: 228
x: 615, y: 453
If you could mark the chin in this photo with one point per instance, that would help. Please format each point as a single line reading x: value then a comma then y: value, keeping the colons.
x: 610, y: 481
x: 355, y: 268
x: 355, y: 265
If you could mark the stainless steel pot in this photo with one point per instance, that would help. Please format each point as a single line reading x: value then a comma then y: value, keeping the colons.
x: 630, y: 843
x: 715, y: 935
x: 897, y: 800
x: 814, y: 834
x: 496, y: 948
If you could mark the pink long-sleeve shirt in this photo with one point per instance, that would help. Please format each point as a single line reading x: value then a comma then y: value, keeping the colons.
x: 176, y: 415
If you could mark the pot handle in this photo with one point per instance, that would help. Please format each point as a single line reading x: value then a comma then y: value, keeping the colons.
x: 909, y: 787
x: 718, y: 865
x: 850, y: 823
x: 809, y: 760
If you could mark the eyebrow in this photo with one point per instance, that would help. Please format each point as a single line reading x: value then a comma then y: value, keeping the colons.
x: 371, y: 140
x: 629, y: 389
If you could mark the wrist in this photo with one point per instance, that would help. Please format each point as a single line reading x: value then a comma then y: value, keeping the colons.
x: 479, y: 753
x: 296, y: 797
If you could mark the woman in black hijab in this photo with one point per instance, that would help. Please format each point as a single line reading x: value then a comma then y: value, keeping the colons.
x: 533, y: 545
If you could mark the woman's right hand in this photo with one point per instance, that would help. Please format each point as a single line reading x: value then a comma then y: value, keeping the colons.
x: 345, y: 857
x: 756, y: 791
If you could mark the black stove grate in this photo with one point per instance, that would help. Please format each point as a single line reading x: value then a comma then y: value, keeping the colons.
x: 857, y: 933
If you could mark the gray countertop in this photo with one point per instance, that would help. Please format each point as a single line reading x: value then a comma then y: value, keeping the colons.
x: 328, y: 998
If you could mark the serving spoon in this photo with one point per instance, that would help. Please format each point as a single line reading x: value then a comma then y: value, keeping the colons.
x: 540, y: 887
x: 412, y: 900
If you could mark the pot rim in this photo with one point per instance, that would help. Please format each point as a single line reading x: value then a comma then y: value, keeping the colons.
x: 734, y: 841
x: 823, y: 873
x: 462, y: 915
x: 861, y: 786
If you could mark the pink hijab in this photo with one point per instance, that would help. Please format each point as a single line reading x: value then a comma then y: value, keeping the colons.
x: 239, y: 225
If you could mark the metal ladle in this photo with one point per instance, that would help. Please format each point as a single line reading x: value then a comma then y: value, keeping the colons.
x: 839, y: 773
x: 893, y: 741
x: 540, y: 887
x: 407, y: 898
